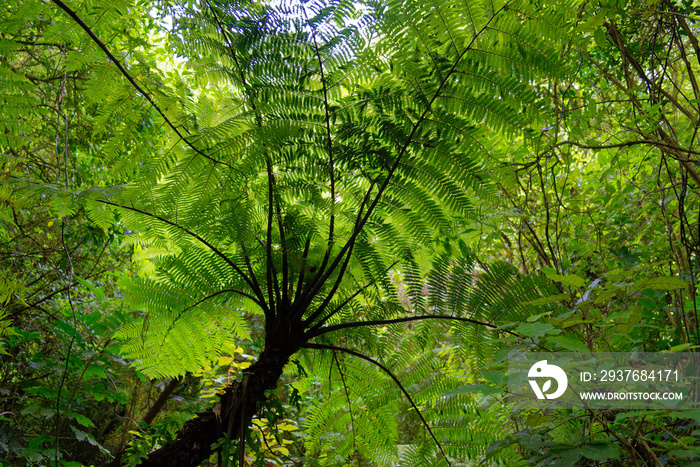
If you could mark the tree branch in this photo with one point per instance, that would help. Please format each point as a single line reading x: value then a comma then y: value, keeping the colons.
x: 162, y: 399
x: 381, y: 322
x: 329, y: 143
x: 216, y: 251
x: 359, y: 225
x: 345, y: 302
x: 271, y: 270
x: 131, y: 80
x: 393, y: 377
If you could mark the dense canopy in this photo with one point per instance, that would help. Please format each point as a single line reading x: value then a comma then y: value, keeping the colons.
x: 314, y: 232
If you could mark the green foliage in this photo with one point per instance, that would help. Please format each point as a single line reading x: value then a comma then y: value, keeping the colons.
x: 397, y: 195
x: 66, y: 393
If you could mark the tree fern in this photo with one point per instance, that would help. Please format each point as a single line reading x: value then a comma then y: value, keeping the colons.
x: 319, y: 148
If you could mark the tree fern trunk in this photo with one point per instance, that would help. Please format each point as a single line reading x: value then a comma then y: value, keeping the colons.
x: 193, y: 443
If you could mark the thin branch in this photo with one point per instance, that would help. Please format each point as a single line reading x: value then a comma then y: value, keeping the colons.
x: 131, y: 80
x: 313, y: 287
x: 329, y: 142
x: 56, y: 292
x: 212, y: 295
x: 359, y: 225
x: 349, y: 299
x: 624, y: 144
x: 283, y: 243
x: 216, y: 251
x: 304, y: 255
x: 347, y: 397
x: 271, y: 270
x: 548, y: 217
x: 393, y: 377
x: 162, y: 399
x: 381, y: 322
x: 684, y: 24
x: 254, y: 279
x: 60, y: 420
x: 334, y: 289
x: 619, y: 42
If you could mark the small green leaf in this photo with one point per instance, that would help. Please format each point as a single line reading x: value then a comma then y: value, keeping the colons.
x: 83, y: 420
x: 684, y: 347
x: 658, y: 283
x: 534, y: 329
x: 685, y: 453
x: 634, y: 413
x: 570, y: 280
x: 95, y: 370
x: 600, y: 451
x: 568, y: 458
x: 495, y: 377
x: 693, y: 414
x: 463, y: 248
x: 82, y: 436
x: 37, y: 442
x: 569, y: 343
x: 99, y: 293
